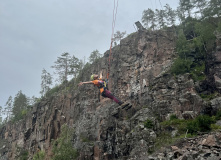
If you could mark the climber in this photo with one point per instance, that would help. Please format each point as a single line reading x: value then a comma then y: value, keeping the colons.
x: 101, y: 84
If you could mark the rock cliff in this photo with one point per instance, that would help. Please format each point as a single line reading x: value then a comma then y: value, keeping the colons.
x: 139, y: 74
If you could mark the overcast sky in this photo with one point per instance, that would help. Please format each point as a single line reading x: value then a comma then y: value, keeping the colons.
x: 33, y: 33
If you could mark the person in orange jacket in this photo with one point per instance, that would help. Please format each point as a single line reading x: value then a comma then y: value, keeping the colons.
x: 101, y: 84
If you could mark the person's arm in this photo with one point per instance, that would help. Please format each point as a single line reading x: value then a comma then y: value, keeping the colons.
x: 88, y: 82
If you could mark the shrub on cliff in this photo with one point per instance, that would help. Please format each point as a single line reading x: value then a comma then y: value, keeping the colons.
x: 39, y: 156
x: 201, y: 123
x: 23, y: 155
x: 148, y: 123
x: 62, y: 147
x: 181, y: 66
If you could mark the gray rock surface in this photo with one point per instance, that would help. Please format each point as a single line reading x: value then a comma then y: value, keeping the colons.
x: 102, y: 132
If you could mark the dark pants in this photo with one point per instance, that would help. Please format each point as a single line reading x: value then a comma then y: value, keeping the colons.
x: 108, y: 94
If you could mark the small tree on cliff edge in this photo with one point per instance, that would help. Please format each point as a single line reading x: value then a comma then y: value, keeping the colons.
x: 8, y: 108
x: 118, y: 36
x: 20, y: 105
x: 46, y: 82
x: 94, y: 56
x: 62, y: 66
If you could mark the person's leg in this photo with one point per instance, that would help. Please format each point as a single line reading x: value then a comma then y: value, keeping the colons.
x: 111, y: 96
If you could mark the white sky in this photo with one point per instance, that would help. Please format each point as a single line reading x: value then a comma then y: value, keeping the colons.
x: 33, y: 33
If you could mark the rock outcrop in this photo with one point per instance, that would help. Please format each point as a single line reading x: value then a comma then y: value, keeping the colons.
x: 102, y: 131
x: 205, y: 147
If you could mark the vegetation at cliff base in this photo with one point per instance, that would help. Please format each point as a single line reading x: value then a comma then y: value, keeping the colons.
x: 201, y: 123
x: 40, y: 155
x: 175, y: 129
x: 62, y: 146
x: 23, y: 155
x: 148, y: 123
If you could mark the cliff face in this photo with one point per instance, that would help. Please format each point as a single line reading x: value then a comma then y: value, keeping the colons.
x: 138, y: 75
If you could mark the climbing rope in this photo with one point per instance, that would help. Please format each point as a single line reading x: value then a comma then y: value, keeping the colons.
x: 112, y: 34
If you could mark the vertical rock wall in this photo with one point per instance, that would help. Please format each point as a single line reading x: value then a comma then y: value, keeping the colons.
x: 138, y: 74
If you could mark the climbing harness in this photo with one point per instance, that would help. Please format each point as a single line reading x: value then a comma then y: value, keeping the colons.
x: 112, y: 34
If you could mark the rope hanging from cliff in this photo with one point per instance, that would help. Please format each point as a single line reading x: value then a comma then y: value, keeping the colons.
x: 112, y: 34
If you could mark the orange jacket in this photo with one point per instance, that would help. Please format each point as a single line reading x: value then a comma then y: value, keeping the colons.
x: 99, y: 83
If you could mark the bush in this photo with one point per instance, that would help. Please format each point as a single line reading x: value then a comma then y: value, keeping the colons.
x: 218, y: 115
x: 208, y: 97
x: 197, y: 72
x: 202, y: 123
x: 23, y: 155
x: 173, y: 117
x: 180, y: 124
x: 39, y: 156
x: 215, y: 127
x: 181, y: 66
x: 62, y: 147
x: 52, y: 91
x: 148, y: 124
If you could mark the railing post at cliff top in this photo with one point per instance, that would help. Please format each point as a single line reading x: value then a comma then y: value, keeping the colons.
x: 139, y: 26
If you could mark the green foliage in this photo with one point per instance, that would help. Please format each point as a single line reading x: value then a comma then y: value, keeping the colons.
x: 52, y: 91
x: 149, y: 18
x: 62, y: 147
x: 215, y: 127
x: 94, y: 56
x: 202, y: 123
x: 205, y: 31
x: 180, y: 124
x: 118, y: 36
x: 182, y: 45
x: 218, y: 115
x: 39, y: 156
x: 24, y: 112
x: 173, y: 117
x: 20, y: 104
x: 219, y: 27
x: 181, y: 66
x: 148, y: 123
x: 46, y: 82
x: 23, y: 155
x: 197, y: 72
x: 186, y: 129
x: 62, y: 66
x: 208, y: 97
x: 84, y: 139
x: 163, y: 139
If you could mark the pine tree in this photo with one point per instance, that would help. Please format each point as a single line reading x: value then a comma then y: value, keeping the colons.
x: 8, y: 108
x: 180, y: 14
x: 75, y: 66
x: 149, y: 19
x: 215, y: 8
x: 46, y: 82
x: 62, y: 66
x: 118, y: 36
x: 94, y: 56
x: 32, y: 100
x: 160, y: 16
x: 186, y: 6
x: 20, y: 104
x: 170, y: 15
x: 200, y: 6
